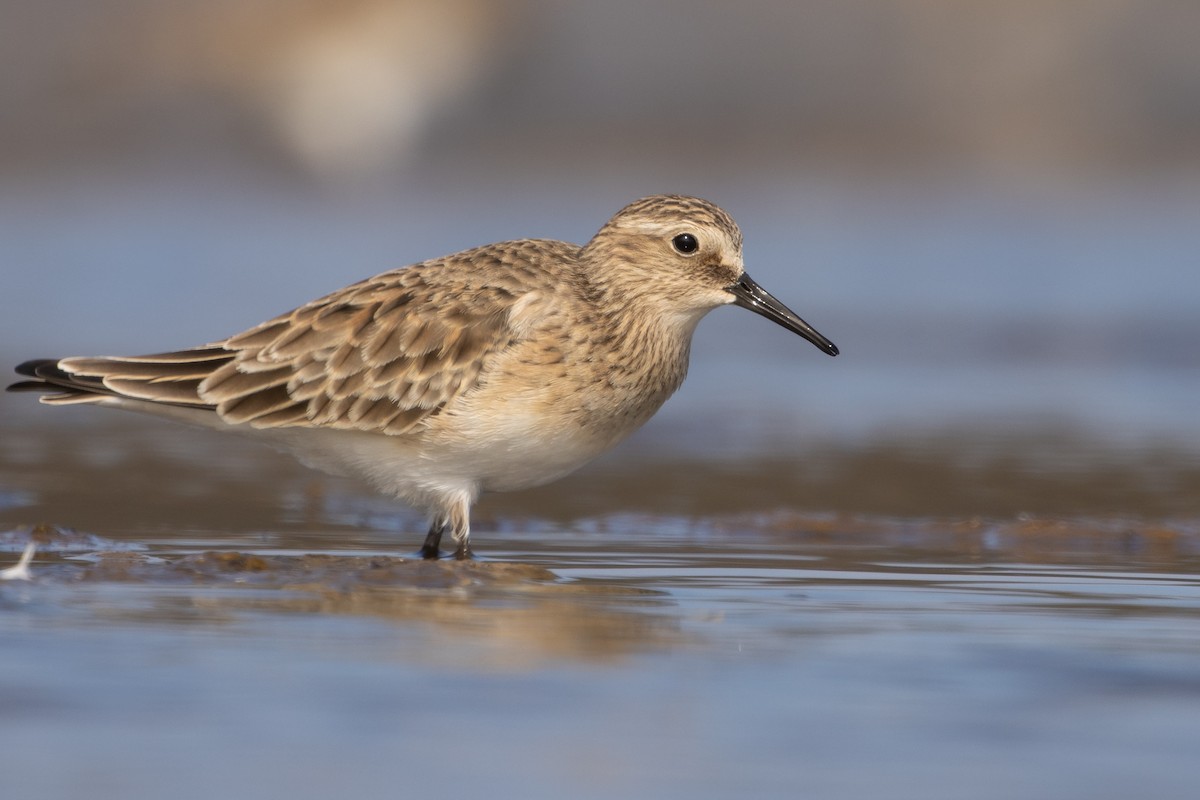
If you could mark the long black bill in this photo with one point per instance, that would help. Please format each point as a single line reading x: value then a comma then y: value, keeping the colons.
x: 749, y: 294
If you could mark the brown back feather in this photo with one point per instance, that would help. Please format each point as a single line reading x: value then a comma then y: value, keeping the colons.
x: 381, y: 355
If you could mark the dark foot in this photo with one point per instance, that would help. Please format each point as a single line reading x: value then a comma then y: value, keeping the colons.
x: 463, y: 553
x: 429, y: 550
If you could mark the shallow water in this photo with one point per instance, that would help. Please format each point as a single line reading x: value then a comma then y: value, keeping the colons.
x: 220, y: 622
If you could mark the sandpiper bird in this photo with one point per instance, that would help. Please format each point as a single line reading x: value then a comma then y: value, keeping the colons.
x: 498, y: 368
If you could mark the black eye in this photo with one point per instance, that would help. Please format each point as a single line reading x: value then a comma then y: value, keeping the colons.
x: 685, y: 243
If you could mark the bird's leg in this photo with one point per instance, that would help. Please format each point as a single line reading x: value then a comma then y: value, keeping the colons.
x: 460, y: 529
x: 463, y: 551
x: 429, y: 550
x: 453, y: 515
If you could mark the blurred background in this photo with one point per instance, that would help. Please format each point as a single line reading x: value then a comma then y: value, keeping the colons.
x: 958, y: 561
x: 992, y: 206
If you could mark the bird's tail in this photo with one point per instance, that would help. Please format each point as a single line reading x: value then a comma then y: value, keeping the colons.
x: 169, y: 378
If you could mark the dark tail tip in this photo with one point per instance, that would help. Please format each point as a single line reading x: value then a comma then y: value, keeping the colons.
x: 32, y: 366
x: 40, y: 368
x: 28, y: 386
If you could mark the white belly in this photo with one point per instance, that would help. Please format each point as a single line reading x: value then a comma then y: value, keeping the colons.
x: 505, y: 454
x: 514, y: 444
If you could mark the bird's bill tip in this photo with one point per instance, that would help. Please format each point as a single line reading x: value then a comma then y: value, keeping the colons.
x: 748, y: 294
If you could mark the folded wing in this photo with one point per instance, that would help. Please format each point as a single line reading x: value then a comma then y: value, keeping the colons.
x: 381, y: 355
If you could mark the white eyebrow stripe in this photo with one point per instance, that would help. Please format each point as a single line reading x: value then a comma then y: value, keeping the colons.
x: 662, y: 227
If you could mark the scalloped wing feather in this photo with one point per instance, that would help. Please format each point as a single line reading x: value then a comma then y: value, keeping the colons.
x: 381, y: 355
